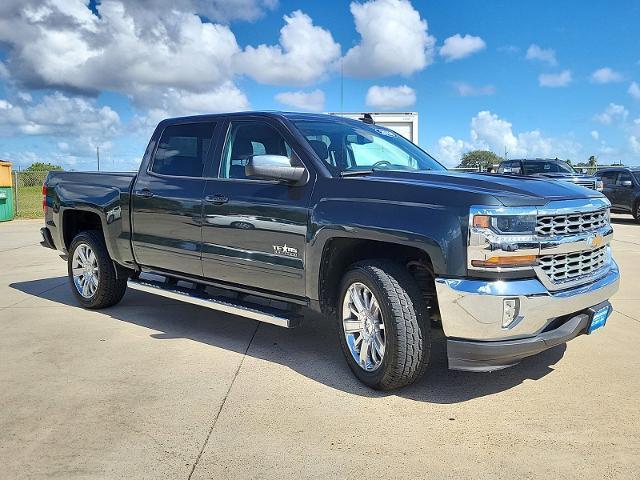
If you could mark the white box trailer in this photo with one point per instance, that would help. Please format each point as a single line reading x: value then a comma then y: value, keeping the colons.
x: 404, y: 123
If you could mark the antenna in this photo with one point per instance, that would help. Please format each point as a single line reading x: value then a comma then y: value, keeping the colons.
x: 341, y: 86
x: 98, y: 155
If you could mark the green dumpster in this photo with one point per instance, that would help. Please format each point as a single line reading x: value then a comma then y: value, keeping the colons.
x: 6, y: 204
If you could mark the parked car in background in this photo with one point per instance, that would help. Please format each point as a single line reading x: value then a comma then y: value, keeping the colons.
x: 549, y: 168
x: 622, y: 187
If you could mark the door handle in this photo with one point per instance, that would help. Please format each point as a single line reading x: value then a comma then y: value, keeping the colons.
x: 216, y: 199
x: 145, y: 192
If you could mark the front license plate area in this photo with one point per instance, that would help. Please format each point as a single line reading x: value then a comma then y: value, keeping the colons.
x: 599, y: 318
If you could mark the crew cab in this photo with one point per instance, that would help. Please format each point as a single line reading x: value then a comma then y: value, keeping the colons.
x: 552, y: 169
x: 268, y: 214
x: 621, y: 186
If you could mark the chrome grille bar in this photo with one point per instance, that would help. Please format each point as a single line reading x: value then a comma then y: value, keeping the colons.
x: 571, y: 223
x: 567, y: 267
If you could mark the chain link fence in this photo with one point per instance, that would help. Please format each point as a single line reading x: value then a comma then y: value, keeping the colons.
x: 27, y: 190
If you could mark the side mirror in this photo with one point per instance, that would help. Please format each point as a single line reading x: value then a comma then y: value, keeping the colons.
x: 627, y: 183
x: 275, y: 167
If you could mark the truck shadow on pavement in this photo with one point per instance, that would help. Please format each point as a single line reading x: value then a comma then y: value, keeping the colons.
x: 311, y: 350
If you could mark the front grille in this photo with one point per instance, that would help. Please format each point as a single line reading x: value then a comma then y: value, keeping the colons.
x: 571, y: 266
x: 586, y: 183
x: 571, y: 224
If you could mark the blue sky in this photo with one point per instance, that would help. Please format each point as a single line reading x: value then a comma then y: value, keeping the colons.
x: 539, y: 78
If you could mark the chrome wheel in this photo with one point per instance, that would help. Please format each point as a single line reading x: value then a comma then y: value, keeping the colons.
x: 85, y: 270
x: 363, y: 326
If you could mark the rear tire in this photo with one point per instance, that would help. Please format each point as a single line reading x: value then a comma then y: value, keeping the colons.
x: 92, y: 273
x: 636, y: 211
x: 394, y: 322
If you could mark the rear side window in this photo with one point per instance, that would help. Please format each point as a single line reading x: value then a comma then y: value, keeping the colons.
x: 182, y: 150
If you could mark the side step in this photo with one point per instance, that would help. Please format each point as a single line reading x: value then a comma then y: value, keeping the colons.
x: 220, y: 303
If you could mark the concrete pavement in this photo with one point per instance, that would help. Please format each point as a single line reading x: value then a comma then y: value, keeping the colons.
x: 153, y: 388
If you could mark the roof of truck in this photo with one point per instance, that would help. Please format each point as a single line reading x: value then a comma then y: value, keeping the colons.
x: 293, y: 116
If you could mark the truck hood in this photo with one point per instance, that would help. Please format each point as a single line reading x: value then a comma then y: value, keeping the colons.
x: 508, y: 190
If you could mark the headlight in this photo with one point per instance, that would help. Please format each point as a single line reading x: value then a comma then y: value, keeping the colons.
x: 507, y: 224
x: 502, y: 238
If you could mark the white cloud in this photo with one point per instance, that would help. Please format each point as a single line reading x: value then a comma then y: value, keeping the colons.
x: 611, y: 114
x: 554, y: 80
x: 78, y: 124
x: 634, y: 143
x: 595, y: 134
x: 634, y: 90
x: 490, y: 132
x: 394, y: 40
x: 388, y: 98
x: 58, y: 114
x: 606, y: 75
x: 467, y: 90
x: 457, y: 47
x: 545, y: 55
x: 159, y: 53
x: 309, y: 101
x: 450, y: 150
x: 304, y: 54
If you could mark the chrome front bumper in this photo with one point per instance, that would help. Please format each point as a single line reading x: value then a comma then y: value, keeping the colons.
x: 473, y: 309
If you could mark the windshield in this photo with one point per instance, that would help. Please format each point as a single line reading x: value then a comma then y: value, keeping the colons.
x: 531, y: 168
x: 636, y: 173
x: 347, y: 147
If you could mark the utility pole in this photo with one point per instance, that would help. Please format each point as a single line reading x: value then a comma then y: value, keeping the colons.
x: 505, y: 152
x: 98, y: 155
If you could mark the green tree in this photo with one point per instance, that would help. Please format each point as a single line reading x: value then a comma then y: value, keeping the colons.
x: 42, y: 167
x: 593, y: 161
x: 479, y: 158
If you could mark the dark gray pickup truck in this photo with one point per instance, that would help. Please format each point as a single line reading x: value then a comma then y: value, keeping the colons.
x: 267, y: 214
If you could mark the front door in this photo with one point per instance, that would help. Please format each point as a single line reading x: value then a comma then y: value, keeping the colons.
x: 167, y: 200
x: 625, y: 195
x: 254, y: 231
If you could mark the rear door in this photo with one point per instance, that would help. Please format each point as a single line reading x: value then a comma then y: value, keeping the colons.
x: 254, y: 231
x: 167, y: 200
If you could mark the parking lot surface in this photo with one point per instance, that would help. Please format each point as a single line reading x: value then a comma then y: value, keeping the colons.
x: 154, y: 388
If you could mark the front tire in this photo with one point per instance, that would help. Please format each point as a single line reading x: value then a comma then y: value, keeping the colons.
x: 92, y: 274
x: 382, y: 325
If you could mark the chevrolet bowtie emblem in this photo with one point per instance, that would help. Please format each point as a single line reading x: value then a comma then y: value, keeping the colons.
x: 594, y: 241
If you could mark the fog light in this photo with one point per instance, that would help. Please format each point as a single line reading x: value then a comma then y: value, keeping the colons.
x: 510, y: 310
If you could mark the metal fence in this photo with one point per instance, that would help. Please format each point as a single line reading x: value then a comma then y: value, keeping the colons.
x: 27, y: 190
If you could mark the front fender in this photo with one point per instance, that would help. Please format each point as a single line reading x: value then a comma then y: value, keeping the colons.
x: 435, y: 229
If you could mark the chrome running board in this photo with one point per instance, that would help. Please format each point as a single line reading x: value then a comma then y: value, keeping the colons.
x: 220, y: 303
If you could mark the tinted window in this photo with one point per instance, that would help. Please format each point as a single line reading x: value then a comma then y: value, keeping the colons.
x: 623, y: 177
x: 531, y: 168
x: 246, y: 139
x: 608, y: 178
x: 182, y: 150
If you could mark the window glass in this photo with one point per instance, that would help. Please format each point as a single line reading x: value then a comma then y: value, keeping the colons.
x: 182, y: 150
x: 516, y: 168
x: 623, y: 177
x: 246, y: 139
x: 350, y: 146
x: 531, y: 168
x: 608, y: 178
